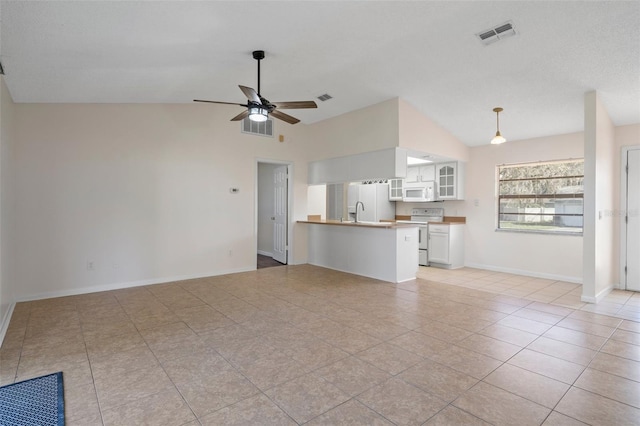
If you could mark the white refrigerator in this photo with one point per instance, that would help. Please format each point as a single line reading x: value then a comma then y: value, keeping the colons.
x: 375, y: 198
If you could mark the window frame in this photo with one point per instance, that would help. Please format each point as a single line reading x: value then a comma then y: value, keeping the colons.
x: 555, y: 196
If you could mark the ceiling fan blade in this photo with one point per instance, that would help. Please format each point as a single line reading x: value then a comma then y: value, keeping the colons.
x: 244, y: 114
x: 218, y: 102
x: 284, y: 117
x: 295, y: 104
x: 251, y: 94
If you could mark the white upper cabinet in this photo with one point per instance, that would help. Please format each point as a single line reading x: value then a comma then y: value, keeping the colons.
x: 413, y: 174
x: 428, y: 173
x: 421, y: 173
x: 450, y: 179
x: 395, y: 189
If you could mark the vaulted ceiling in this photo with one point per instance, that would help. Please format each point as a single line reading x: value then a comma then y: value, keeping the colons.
x: 359, y: 52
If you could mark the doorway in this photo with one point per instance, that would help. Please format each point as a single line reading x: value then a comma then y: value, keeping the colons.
x: 631, y: 224
x: 272, y: 213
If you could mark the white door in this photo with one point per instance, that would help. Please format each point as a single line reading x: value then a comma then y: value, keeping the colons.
x: 633, y: 220
x: 280, y: 214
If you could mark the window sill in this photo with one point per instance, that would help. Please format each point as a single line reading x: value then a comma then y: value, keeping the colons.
x: 525, y: 231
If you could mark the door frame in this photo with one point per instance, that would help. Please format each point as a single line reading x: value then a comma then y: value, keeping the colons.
x: 623, y: 212
x: 289, y: 165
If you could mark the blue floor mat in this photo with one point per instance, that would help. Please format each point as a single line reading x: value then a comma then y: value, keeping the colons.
x: 38, y: 401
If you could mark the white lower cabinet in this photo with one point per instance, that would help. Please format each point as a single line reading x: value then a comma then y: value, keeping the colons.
x: 387, y: 254
x: 446, y: 246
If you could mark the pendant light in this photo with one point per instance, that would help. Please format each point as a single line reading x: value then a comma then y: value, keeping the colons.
x: 498, y: 138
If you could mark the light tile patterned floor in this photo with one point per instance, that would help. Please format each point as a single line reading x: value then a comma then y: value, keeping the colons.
x: 307, y: 345
x: 618, y: 303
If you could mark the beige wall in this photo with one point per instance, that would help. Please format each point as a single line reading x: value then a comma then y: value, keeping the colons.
x: 142, y: 192
x: 551, y: 256
x: 367, y: 129
x: 418, y: 132
x: 559, y: 257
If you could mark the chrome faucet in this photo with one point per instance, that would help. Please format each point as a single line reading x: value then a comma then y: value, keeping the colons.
x: 362, y: 204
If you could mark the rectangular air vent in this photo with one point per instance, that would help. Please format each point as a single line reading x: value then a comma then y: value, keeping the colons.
x: 496, y: 33
x: 264, y: 128
x: 325, y: 97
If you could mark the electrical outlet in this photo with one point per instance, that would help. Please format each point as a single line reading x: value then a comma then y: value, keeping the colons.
x: 230, y: 253
x: 90, y: 265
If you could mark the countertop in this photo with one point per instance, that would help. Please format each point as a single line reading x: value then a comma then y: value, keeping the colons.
x: 383, y: 225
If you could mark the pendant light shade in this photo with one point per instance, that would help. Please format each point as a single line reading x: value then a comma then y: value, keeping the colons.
x: 498, y: 138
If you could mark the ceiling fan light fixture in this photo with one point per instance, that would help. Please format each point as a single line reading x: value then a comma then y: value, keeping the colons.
x: 258, y: 114
x: 257, y: 108
x: 498, y: 138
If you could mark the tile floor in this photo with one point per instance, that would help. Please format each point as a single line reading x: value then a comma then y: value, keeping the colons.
x: 306, y: 345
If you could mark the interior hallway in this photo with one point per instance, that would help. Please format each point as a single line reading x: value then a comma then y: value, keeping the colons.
x: 307, y: 345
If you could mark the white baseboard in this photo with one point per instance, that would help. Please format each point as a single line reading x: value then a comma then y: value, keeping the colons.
x: 575, y: 280
x: 601, y: 295
x: 405, y: 281
x: 4, y: 325
x: 265, y: 253
x: 129, y: 284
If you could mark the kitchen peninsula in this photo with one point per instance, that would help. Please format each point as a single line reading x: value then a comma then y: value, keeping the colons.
x: 386, y: 251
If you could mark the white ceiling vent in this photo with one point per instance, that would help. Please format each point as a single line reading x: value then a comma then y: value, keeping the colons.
x: 496, y: 33
x: 262, y: 128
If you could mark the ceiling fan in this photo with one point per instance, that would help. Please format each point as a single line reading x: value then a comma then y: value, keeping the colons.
x: 259, y: 108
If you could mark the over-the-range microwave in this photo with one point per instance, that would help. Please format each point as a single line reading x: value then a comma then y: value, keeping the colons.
x: 420, y: 193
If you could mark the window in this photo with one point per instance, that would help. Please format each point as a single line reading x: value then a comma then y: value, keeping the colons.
x: 541, y: 197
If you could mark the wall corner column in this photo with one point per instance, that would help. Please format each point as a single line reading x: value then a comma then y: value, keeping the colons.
x: 599, y: 247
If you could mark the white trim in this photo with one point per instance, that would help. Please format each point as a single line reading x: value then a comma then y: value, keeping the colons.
x: 623, y: 211
x: 4, y: 325
x: 290, y: 196
x: 265, y: 253
x: 575, y: 280
x: 129, y: 284
x: 601, y: 295
x: 407, y: 280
